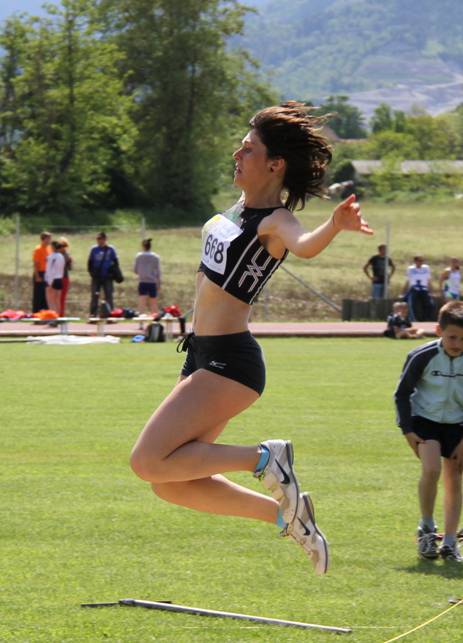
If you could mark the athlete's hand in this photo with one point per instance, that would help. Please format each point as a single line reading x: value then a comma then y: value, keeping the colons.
x: 413, y: 441
x: 347, y: 216
x: 457, y: 456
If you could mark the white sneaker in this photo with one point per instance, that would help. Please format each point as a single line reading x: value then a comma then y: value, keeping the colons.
x: 279, y: 477
x: 305, y: 532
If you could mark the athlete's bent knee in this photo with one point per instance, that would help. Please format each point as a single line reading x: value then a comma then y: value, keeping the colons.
x: 147, y: 467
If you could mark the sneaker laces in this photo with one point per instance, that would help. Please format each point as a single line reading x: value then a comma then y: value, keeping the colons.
x: 428, y: 537
x: 427, y: 542
x: 284, y: 533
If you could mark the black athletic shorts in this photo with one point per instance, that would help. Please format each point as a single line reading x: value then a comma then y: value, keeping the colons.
x: 145, y: 288
x: 57, y: 284
x: 237, y: 356
x: 449, y: 436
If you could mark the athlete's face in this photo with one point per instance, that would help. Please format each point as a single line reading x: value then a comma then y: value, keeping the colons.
x: 452, y: 339
x: 252, y: 165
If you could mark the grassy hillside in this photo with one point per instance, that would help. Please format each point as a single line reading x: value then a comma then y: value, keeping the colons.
x: 322, y: 47
x: 431, y: 229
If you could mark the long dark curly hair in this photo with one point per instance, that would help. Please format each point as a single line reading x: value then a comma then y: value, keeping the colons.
x: 290, y: 132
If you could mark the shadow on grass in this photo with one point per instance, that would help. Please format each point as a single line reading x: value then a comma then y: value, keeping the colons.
x: 448, y: 569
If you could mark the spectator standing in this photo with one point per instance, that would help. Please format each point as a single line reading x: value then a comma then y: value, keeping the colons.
x: 39, y: 261
x: 64, y: 249
x: 54, y: 276
x: 101, y: 259
x: 377, y: 264
x: 417, y: 290
x: 148, y: 268
x: 450, y: 280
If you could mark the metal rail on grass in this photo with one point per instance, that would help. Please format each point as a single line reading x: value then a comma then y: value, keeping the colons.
x: 312, y: 290
x: 199, y: 611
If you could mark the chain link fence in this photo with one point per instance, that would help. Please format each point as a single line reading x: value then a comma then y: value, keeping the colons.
x: 287, y: 297
x: 16, y: 265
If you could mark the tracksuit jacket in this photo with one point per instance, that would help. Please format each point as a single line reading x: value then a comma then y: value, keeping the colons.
x: 431, y: 386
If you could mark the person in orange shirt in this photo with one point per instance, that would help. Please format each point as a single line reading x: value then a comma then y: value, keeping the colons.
x: 39, y: 261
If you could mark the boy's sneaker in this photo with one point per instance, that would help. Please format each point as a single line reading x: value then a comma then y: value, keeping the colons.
x: 279, y: 477
x: 427, y: 547
x: 305, y: 532
x: 447, y: 552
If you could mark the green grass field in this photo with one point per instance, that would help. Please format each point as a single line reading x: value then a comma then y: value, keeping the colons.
x: 77, y: 526
x: 431, y: 229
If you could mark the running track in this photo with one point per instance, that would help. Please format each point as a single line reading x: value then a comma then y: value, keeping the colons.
x: 127, y: 328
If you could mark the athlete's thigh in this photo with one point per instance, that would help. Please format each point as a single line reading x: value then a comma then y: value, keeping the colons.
x: 451, y: 470
x: 430, y: 455
x: 212, y: 434
x: 197, y: 409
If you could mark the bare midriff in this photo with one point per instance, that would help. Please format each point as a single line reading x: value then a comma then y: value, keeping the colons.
x: 216, y: 311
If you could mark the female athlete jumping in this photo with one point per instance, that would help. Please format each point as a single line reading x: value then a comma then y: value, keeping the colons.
x: 281, y: 162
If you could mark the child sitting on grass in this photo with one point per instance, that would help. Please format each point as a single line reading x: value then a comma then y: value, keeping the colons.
x: 429, y: 402
x: 399, y: 325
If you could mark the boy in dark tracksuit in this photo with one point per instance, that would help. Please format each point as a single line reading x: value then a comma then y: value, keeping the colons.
x: 429, y: 402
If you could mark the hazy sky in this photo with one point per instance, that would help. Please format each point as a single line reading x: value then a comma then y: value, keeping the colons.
x: 7, y: 7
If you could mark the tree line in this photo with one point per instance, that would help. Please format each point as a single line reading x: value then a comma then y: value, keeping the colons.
x: 122, y: 103
x: 139, y: 103
x: 394, y: 136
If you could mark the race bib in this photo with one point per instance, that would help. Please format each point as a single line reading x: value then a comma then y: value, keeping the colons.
x: 218, y: 233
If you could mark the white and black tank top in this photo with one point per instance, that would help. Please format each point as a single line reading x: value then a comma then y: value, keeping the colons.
x: 233, y: 256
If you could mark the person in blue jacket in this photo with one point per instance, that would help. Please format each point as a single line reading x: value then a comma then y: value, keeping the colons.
x: 101, y: 260
x: 429, y: 403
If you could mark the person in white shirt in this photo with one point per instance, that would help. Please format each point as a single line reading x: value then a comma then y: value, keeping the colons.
x: 417, y: 290
x: 450, y: 280
x: 54, y: 276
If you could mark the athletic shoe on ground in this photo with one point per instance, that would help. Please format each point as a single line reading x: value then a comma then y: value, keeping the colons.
x: 451, y: 553
x: 279, y: 477
x: 305, y: 532
x: 426, y: 539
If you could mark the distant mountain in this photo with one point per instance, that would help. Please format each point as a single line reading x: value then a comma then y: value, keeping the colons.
x: 404, y: 52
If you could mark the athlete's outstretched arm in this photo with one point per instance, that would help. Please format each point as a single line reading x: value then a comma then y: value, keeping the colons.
x: 346, y: 216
